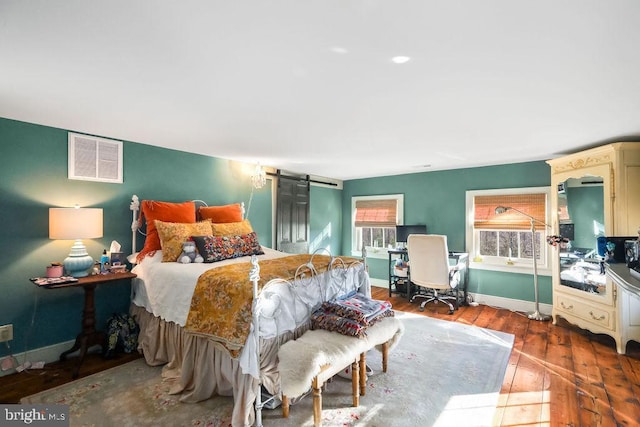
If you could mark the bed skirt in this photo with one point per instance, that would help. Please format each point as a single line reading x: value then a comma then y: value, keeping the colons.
x: 203, y: 368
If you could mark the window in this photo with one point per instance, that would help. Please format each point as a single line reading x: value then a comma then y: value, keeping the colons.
x: 374, y: 223
x: 501, y: 239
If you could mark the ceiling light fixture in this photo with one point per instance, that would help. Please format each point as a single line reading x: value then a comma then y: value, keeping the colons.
x: 400, y: 59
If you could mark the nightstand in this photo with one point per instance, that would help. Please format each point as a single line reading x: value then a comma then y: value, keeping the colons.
x: 89, y: 335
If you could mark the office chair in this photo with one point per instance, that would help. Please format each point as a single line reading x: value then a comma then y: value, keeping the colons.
x: 429, y: 269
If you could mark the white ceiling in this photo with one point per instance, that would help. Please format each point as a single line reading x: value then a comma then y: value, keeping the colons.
x: 309, y: 86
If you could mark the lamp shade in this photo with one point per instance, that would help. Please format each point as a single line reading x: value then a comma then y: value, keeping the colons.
x: 75, y: 223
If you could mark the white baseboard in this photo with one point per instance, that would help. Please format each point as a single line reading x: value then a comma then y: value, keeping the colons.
x: 490, y: 300
x: 510, y: 303
x: 46, y: 354
x: 380, y: 283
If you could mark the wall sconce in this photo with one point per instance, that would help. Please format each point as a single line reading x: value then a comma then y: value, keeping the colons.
x: 76, y: 224
x: 258, y: 180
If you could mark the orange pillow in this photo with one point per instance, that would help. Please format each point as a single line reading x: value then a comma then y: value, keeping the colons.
x: 162, y: 211
x: 232, y: 228
x: 222, y: 214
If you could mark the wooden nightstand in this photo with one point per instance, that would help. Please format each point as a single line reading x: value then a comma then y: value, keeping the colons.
x: 89, y: 336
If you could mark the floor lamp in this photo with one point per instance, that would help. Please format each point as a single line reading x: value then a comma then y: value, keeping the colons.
x: 534, y: 315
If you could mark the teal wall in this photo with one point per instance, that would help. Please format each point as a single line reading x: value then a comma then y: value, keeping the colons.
x: 585, y: 205
x: 326, y: 220
x: 33, y: 177
x: 438, y: 200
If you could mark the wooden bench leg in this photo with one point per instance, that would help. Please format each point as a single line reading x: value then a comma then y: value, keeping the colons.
x: 285, y: 406
x: 385, y: 354
x: 317, y: 403
x: 363, y: 373
x: 355, y: 373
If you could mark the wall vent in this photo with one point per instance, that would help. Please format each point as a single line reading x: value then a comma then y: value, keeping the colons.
x: 95, y: 159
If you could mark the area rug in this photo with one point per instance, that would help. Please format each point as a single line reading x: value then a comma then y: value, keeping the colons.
x: 440, y: 374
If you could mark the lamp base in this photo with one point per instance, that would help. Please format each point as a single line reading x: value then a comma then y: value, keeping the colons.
x: 79, y: 261
x: 536, y: 315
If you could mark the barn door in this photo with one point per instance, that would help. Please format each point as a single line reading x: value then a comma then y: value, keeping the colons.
x: 292, y: 214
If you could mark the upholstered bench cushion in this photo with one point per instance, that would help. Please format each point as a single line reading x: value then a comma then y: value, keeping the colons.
x: 302, y: 359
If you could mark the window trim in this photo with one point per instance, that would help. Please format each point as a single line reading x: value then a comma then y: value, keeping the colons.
x: 373, y: 252
x: 498, y: 264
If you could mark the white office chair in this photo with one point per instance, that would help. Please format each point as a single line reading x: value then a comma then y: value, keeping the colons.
x: 429, y: 269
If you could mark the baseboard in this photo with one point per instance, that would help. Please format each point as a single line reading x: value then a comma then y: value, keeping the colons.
x: 490, y: 300
x: 510, y: 303
x: 379, y: 283
x: 46, y: 354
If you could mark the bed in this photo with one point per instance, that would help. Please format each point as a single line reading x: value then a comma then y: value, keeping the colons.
x: 217, y: 326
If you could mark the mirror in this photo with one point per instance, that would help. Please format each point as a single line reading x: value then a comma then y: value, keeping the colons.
x: 581, y: 220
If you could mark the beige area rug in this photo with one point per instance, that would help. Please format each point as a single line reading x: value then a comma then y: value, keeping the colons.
x: 440, y: 374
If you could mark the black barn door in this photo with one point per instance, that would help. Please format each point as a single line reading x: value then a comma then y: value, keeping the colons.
x: 292, y: 214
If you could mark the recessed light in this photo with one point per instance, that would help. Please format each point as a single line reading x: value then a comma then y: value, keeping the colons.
x: 338, y: 49
x: 400, y: 59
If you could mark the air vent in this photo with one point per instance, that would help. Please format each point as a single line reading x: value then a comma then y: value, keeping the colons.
x: 95, y: 159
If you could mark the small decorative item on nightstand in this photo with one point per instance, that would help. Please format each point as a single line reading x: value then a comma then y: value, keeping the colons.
x: 54, y: 270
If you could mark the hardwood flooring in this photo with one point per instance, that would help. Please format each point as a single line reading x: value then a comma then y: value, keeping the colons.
x: 558, y: 375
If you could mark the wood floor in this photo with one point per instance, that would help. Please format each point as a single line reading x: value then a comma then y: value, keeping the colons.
x: 557, y: 375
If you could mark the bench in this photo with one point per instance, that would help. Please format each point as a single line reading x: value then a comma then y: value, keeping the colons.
x: 318, y: 355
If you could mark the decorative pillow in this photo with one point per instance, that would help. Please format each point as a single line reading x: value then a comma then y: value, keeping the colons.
x: 232, y: 228
x: 222, y: 214
x: 162, y: 211
x: 218, y: 248
x: 173, y: 235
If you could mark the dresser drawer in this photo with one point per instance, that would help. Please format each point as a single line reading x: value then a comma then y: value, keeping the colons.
x: 591, y: 313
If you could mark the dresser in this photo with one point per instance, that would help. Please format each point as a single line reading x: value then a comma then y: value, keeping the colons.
x: 594, y: 193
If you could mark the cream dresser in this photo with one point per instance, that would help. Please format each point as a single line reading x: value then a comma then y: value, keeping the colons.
x: 610, y: 175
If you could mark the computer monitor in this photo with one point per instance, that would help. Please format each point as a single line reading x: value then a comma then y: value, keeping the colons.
x: 568, y: 231
x: 403, y: 231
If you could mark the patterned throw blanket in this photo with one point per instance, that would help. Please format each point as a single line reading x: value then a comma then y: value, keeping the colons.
x: 351, y: 315
x: 222, y: 300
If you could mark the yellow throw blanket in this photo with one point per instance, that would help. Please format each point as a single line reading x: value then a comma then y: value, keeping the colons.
x: 222, y: 300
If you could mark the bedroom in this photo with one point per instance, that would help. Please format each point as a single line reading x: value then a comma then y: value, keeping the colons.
x: 33, y: 158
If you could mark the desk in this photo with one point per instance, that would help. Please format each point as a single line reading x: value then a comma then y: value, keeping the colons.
x: 89, y: 336
x: 396, y: 281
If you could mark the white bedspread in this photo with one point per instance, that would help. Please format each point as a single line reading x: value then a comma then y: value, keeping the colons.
x: 165, y: 288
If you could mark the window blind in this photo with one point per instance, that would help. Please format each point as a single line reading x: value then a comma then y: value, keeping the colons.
x: 485, y: 216
x: 376, y: 213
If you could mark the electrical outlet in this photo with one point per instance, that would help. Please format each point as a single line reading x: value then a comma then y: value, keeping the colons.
x: 6, y: 333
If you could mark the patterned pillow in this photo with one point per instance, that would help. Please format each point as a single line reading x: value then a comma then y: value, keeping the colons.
x: 218, y: 248
x: 173, y: 235
x: 232, y: 228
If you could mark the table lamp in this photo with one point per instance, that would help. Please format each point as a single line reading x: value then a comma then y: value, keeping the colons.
x: 76, y: 224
